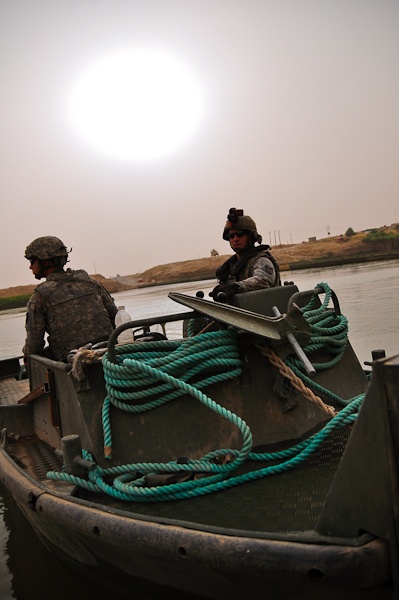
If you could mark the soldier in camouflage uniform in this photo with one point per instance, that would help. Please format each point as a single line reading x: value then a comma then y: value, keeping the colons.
x: 70, y: 306
x: 251, y: 267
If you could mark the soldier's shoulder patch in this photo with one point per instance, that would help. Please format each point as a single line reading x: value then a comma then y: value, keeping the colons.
x: 268, y: 268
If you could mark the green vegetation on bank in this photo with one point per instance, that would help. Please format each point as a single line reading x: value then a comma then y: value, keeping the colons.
x: 351, y: 247
x: 376, y: 235
x: 14, y: 302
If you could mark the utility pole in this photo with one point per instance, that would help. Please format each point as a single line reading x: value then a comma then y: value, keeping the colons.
x: 328, y: 229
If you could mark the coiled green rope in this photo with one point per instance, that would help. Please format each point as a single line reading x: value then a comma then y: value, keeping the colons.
x: 129, y: 481
x: 162, y: 371
x: 157, y: 372
x: 329, y: 332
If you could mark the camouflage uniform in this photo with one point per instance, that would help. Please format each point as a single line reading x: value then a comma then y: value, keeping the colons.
x: 73, y: 309
x: 253, y: 270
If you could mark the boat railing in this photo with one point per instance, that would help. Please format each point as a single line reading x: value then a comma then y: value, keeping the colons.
x: 306, y: 295
x: 143, y: 323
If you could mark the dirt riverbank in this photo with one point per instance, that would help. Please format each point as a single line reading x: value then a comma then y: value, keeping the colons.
x: 329, y: 251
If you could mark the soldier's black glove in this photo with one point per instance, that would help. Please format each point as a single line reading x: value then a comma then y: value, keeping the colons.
x: 228, y: 289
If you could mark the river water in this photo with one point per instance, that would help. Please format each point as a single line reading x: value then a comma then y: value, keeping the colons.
x: 369, y: 297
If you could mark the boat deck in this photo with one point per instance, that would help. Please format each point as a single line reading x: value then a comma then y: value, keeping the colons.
x: 286, y: 502
x: 11, y: 390
x: 290, y: 501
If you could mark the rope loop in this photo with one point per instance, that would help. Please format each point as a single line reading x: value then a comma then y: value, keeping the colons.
x: 143, y: 379
x: 149, y: 374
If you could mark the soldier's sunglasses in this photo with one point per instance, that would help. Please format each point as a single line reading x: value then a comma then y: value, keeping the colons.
x: 239, y: 234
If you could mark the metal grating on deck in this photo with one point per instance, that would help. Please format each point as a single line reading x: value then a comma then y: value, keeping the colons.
x: 12, y: 390
x: 286, y: 502
x: 34, y: 456
x: 290, y: 501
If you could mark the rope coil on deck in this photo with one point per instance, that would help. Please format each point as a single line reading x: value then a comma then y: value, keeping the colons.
x: 157, y: 372
x: 146, y: 375
x: 129, y: 481
x: 329, y: 332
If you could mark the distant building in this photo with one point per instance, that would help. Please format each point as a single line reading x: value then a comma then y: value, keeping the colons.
x: 312, y: 239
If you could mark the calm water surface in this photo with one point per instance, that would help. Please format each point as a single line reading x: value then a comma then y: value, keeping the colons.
x: 369, y: 298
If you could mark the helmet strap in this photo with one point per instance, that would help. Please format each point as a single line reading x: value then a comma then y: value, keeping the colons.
x: 42, y: 271
x: 50, y: 265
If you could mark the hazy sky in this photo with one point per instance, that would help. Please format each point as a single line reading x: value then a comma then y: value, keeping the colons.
x: 285, y: 108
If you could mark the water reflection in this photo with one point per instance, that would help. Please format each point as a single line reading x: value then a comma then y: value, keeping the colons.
x: 28, y: 570
x: 5, y: 574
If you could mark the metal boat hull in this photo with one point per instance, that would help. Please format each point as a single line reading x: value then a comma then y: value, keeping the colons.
x: 328, y: 527
x: 212, y: 565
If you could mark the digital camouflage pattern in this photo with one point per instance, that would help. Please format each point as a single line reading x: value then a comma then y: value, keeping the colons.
x: 73, y: 309
x: 46, y: 247
x: 254, y: 270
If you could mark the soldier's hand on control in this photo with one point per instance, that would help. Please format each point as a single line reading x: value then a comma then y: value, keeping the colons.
x: 228, y: 289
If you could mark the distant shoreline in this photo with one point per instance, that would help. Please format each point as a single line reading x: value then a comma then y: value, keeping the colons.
x: 8, y: 302
x: 343, y: 260
x: 327, y: 252
x: 299, y: 266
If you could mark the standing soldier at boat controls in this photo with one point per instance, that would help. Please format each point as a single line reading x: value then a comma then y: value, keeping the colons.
x: 70, y: 306
x: 251, y: 267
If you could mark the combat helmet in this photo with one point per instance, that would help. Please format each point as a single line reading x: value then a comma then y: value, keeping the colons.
x: 237, y: 220
x: 46, y: 247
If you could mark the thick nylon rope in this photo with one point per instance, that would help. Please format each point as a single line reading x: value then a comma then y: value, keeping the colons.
x: 158, y: 372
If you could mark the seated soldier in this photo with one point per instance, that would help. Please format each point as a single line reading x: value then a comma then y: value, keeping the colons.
x: 70, y: 306
x: 251, y: 267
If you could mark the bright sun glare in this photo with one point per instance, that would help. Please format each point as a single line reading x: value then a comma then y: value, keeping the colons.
x: 136, y: 105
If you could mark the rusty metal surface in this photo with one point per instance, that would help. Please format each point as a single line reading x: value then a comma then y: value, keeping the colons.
x: 12, y: 390
x: 183, y: 557
x: 34, y: 456
x: 286, y: 502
